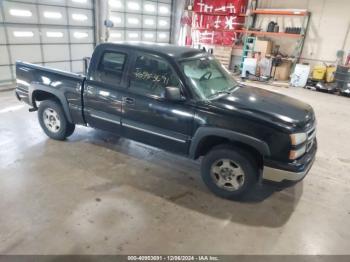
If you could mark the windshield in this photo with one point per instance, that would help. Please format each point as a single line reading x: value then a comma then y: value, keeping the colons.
x: 208, y: 77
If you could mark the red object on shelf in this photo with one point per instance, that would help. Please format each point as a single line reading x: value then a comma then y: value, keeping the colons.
x: 219, y: 14
x: 216, y: 21
x: 347, y: 63
x: 188, y: 41
x: 220, y: 7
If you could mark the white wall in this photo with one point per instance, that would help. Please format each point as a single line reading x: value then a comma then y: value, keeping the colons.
x: 329, y: 24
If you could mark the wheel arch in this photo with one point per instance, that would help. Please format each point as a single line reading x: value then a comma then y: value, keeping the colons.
x: 41, y: 93
x: 206, y: 138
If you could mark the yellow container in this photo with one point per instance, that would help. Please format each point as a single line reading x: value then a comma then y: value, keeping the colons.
x: 319, y: 72
x: 330, y: 74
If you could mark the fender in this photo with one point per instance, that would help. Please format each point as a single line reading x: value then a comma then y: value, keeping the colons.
x: 203, y: 132
x: 56, y: 92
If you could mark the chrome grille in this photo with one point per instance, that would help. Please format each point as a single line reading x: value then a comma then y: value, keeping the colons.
x: 311, y: 136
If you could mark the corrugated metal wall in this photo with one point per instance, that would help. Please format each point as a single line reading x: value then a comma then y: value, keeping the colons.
x: 53, y: 33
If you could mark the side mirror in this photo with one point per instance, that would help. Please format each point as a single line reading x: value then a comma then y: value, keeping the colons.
x: 173, y: 93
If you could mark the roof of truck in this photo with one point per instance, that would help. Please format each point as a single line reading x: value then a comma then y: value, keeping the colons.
x: 174, y: 51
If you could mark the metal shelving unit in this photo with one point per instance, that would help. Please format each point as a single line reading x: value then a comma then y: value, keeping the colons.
x: 279, y: 12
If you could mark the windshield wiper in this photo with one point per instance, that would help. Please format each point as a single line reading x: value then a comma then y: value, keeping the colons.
x: 220, y: 93
x: 227, y: 92
x: 233, y: 88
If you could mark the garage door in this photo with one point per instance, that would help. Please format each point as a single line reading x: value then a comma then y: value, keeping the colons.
x: 53, y: 33
x: 140, y: 20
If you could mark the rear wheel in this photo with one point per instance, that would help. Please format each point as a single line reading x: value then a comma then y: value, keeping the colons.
x: 229, y: 172
x: 53, y: 120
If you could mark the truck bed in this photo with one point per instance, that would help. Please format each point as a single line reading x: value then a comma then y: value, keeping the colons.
x: 34, y: 83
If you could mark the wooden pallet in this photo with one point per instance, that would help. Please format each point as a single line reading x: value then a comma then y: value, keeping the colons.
x: 223, y: 54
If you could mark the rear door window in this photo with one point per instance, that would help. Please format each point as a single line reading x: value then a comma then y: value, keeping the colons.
x: 111, y: 67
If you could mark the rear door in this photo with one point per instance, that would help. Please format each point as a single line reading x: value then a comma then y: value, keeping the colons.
x: 147, y: 116
x: 104, y: 90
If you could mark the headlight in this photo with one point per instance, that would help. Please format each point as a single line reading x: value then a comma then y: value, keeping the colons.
x: 297, y: 139
x: 296, y: 153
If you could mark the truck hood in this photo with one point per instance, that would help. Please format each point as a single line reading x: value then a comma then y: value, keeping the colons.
x: 269, y: 105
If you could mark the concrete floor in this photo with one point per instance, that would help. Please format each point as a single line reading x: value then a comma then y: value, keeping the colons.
x: 98, y: 194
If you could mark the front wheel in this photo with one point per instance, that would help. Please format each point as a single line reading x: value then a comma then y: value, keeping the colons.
x: 229, y: 172
x: 53, y: 120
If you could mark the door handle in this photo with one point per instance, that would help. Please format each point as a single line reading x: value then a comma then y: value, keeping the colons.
x: 90, y: 90
x: 128, y: 100
x: 78, y: 88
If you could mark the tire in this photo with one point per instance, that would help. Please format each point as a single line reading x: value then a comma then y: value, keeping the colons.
x: 229, y: 172
x: 53, y: 120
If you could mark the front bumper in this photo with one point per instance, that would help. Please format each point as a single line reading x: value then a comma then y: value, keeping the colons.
x: 295, y: 171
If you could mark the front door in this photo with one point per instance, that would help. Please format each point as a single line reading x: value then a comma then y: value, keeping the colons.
x: 147, y: 116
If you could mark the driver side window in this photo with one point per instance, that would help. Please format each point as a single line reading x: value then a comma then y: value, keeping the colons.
x: 151, y: 75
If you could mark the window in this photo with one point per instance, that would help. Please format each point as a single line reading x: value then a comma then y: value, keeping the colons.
x: 52, y: 15
x: 116, y: 4
x: 208, y: 77
x: 79, y: 17
x: 80, y: 35
x: 133, y: 6
x: 20, y: 12
x: 54, y: 34
x: 150, y: 7
x: 80, y: 1
x: 151, y: 76
x: 110, y: 69
x: 164, y: 9
x: 23, y: 34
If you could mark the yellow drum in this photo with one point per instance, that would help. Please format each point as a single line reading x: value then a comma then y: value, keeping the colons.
x: 319, y: 72
x: 330, y: 74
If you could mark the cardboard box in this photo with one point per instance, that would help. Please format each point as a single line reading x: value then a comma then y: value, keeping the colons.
x: 237, y: 51
x: 263, y: 46
x: 283, y: 71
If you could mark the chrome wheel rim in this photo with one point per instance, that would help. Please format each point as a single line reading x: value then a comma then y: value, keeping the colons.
x: 51, y: 120
x: 227, y: 174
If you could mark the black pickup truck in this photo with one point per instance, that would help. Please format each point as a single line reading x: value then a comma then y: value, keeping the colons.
x: 181, y: 100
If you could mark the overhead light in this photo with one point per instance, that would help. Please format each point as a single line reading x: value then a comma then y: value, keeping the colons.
x: 162, y: 22
x: 53, y: 15
x: 133, y: 35
x: 115, y: 4
x: 133, y: 6
x: 54, y: 34
x: 20, y: 12
x: 23, y: 33
x: 79, y: 17
x: 80, y: 35
x: 133, y: 21
x: 116, y: 19
x: 116, y: 35
x: 150, y: 8
x: 149, y: 21
x: 148, y: 35
x: 163, y: 10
